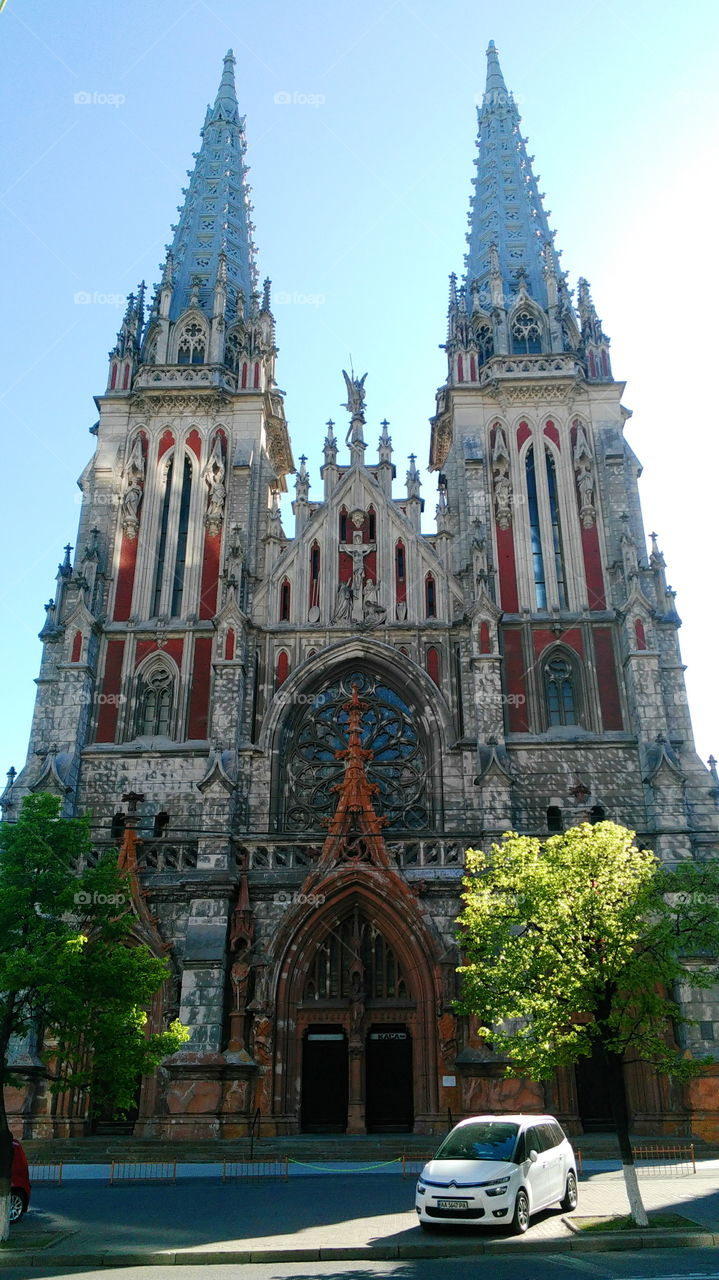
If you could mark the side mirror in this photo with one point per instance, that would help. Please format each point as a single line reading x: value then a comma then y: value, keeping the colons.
x: 533, y: 1156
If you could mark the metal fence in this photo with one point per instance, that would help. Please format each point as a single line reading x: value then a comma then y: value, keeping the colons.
x: 235, y: 1170
x: 124, y: 1171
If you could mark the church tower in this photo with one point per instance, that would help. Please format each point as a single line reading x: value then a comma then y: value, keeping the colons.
x: 293, y: 739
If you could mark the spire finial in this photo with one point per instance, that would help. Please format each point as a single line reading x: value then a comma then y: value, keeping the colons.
x: 495, y: 93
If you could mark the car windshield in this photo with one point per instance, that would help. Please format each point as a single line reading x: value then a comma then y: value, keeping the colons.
x: 484, y: 1140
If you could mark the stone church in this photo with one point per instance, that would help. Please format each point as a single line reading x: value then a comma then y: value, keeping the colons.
x: 292, y: 736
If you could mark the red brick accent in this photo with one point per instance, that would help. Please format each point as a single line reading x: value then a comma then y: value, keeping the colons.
x: 166, y: 442
x: 433, y: 664
x: 282, y: 669
x: 200, y: 694
x: 551, y: 431
x: 609, y: 699
x: 77, y: 647
x: 194, y: 442
x: 640, y: 635
x: 125, y: 578
x: 593, y: 568
x: 542, y: 638
x: 172, y: 647
x: 484, y: 639
x: 230, y: 645
x: 507, y: 566
x: 110, y: 705
x: 523, y: 433
x: 210, y: 575
x: 515, y: 682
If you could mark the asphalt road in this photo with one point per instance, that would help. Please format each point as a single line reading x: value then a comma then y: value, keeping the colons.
x: 657, y: 1264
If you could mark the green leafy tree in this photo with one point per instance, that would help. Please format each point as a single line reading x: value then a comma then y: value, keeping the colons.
x: 575, y: 947
x: 69, y: 966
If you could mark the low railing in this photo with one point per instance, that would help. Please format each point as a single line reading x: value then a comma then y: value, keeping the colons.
x: 673, y: 1158
x: 124, y: 1171
x: 281, y: 855
x: 46, y: 1173
x: 238, y: 1170
x: 151, y: 376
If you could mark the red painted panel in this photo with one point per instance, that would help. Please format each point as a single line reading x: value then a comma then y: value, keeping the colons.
x: 473, y: 368
x: 230, y: 645
x: 172, y: 647
x: 593, y: 568
x: 110, y: 705
x: 607, y: 679
x: 433, y: 664
x: 523, y: 433
x: 507, y: 566
x: 166, y: 442
x: 345, y: 567
x: 126, y: 378
x: 460, y: 369
x: 400, y: 584
x: 77, y: 647
x: 194, y: 442
x: 244, y: 376
x: 640, y: 635
x: 256, y: 382
x: 210, y: 575
x: 200, y: 692
x: 542, y: 637
x: 484, y: 639
x: 113, y: 379
x: 282, y: 670
x: 551, y: 431
x: 125, y: 578
x: 515, y: 681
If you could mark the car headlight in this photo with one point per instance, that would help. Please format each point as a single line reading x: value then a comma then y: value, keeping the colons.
x: 421, y: 1188
x: 497, y: 1187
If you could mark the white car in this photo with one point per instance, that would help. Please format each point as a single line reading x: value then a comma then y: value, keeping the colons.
x: 492, y: 1170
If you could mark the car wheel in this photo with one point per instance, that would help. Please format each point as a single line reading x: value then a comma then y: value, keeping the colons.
x: 571, y: 1196
x: 520, y: 1220
x: 17, y: 1205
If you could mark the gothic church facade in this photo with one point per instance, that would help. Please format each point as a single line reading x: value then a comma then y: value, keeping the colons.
x: 292, y: 738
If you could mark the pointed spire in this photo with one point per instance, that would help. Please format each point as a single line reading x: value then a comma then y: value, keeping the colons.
x: 216, y: 214
x: 506, y: 209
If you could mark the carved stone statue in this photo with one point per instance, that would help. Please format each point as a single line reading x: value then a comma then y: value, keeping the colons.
x: 374, y: 612
x: 355, y: 394
x: 343, y: 604
x: 502, y: 481
x: 215, y: 479
x: 130, y: 508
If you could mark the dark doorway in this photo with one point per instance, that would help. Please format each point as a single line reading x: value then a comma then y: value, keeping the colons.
x: 593, y: 1104
x: 324, y: 1080
x: 388, y: 1093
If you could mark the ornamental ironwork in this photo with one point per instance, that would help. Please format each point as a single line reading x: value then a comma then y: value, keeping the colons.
x: 398, y: 764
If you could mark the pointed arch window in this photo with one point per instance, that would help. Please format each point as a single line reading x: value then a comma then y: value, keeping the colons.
x: 540, y: 584
x: 191, y: 345
x: 371, y: 524
x: 526, y: 334
x: 560, y: 691
x: 178, y: 580
x: 356, y: 952
x: 556, y: 528
x: 155, y: 703
x: 285, y: 600
x: 430, y: 596
x: 162, y: 541
x: 343, y: 524
x: 314, y: 575
x: 484, y: 342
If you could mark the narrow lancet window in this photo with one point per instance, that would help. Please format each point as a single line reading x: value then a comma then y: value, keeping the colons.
x: 556, y: 530
x: 540, y: 585
x: 162, y: 542
x: 559, y: 691
x: 178, y: 581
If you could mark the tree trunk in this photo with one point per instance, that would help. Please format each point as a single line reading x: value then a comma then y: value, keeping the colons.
x: 618, y: 1097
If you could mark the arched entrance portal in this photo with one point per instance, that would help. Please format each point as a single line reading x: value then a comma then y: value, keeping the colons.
x: 356, y: 1047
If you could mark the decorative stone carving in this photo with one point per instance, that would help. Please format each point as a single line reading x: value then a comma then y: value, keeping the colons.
x: 502, y: 481
x: 584, y: 470
x: 374, y: 612
x: 132, y: 497
x: 215, y: 479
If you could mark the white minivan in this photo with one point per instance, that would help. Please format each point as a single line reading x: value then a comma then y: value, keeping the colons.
x: 494, y: 1170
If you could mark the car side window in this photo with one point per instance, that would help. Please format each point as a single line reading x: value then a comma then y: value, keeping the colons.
x: 533, y: 1141
x: 547, y: 1136
x: 557, y: 1133
x: 520, y: 1154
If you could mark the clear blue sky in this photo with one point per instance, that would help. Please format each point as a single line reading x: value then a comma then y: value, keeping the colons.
x: 361, y: 187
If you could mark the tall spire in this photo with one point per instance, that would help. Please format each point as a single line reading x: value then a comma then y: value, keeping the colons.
x: 215, y: 216
x: 508, y: 225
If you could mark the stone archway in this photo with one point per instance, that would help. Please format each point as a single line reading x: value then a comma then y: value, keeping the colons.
x: 354, y: 1005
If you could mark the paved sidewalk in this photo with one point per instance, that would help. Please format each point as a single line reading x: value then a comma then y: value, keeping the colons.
x: 338, y: 1216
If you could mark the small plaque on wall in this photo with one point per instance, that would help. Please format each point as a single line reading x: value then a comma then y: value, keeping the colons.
x: 449, y: 1081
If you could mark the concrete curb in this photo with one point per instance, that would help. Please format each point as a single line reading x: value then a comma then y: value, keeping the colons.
x: 602, y: 1243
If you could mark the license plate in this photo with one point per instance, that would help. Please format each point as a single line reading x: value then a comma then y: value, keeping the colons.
x: 453, y: 1204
